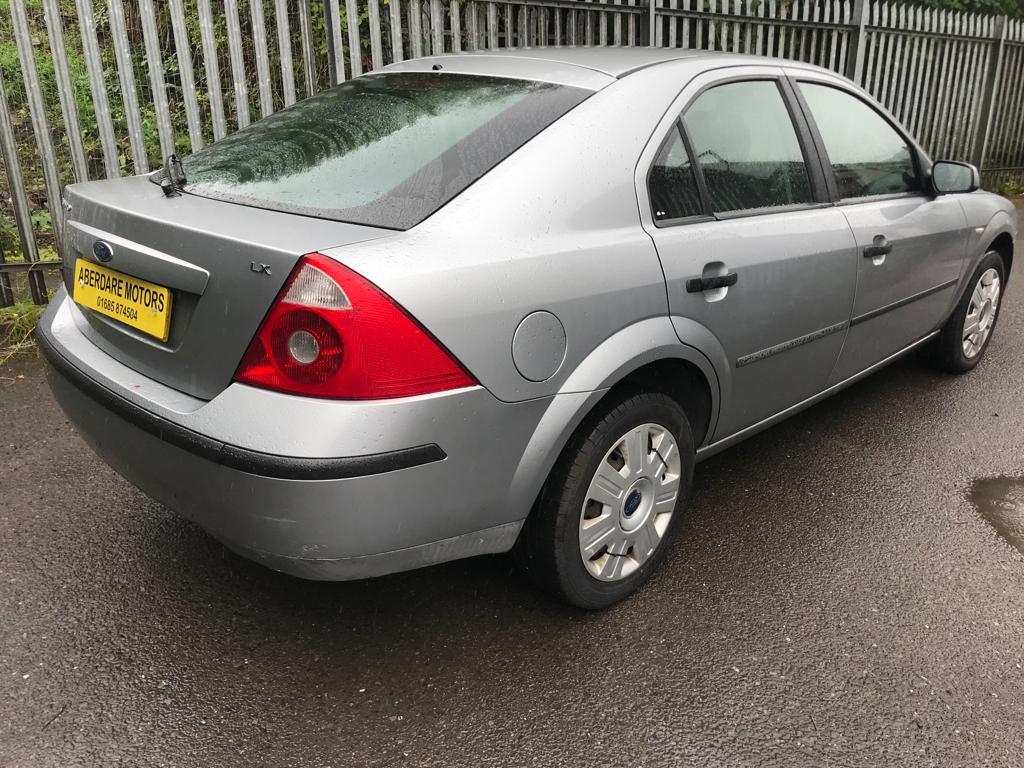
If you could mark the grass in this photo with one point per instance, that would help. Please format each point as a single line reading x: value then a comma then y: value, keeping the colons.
x: 16, y: 325
x: 18, y: 321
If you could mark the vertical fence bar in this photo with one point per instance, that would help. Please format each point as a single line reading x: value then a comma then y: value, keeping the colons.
x: 990, y: 52
x: 234, y: 28
x: 212, y: 69
x: 19, y: 197
x: 306, y: 41
x: 978, y: 64
x: 492, y: 25
x: 415, y: 28
x: 376, y: 47
x: 472, y: 26
x: 335, y: 51
x: 284, y: 51
x: 355, y: 45
x: 1017, y: 119
x: 65, y: 91
x: 1008, y: 108
x: 952, y: 89
x: 126, y: 78
x: 37, y: 111
x: 987, y: 111
x: 6, y: 289
x: 920, y: 66
x: 188, y: 82
x: 456, y: 21
x: 262, y: 54
x: 436, y: 27
x: 940, y: 113
x: 395, y: 9
x: 858, y: 38
x: 927, y: 99
x: 98, y: 88
x: 908, y: 67
x: 1014, y: 136
x: 155, y: 64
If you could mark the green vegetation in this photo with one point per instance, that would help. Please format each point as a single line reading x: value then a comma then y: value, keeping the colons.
x: 16, y: 324
x: 1011, y: 188
x: 1007, y: 7
x: 10, y: 72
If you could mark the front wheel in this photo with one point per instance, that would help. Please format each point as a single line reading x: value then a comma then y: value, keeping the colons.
x: 965, y: 336
x: 607, y: 512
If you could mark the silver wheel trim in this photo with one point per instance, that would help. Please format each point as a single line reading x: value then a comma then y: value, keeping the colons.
x: 981, y: 313
x: 630, y: 502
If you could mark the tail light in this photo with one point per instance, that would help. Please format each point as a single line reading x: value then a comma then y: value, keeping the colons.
x: 332, y: 333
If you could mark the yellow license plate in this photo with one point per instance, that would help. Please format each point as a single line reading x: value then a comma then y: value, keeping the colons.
x: 142, y: 305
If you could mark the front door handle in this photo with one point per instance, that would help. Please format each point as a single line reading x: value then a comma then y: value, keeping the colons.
x: 701, y: 284
x: 879, y: 247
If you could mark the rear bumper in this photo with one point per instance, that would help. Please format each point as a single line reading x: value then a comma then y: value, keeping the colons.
x: 224, y: 454
x: 347, y: 513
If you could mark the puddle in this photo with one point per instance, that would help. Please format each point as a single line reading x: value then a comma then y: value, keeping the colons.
x: 1000, y: 500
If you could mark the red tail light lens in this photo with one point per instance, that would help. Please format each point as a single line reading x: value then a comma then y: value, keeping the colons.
x: 332, y: 333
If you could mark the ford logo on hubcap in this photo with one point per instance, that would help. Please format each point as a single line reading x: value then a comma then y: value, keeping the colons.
x: 102, y: 251
x: 632, y: 502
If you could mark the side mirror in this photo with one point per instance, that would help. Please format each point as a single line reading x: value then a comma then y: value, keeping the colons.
x: 950, y: 177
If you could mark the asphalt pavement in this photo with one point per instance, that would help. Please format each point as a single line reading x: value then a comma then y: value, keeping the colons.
x: 846, y: 591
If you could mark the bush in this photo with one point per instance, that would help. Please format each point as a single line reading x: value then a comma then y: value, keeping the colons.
x: 1011, y: 188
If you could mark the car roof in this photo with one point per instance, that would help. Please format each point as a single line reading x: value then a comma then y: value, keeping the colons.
x: 616, y: 62
x: 588, y: 66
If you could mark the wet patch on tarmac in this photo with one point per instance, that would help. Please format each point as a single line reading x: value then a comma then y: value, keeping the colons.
x: 1000, y: 501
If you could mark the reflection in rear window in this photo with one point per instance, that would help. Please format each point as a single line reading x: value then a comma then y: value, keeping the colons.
x: 385, y: 150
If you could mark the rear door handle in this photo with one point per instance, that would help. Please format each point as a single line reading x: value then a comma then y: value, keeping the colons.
x: 701, y: 284
x: 879, y: 247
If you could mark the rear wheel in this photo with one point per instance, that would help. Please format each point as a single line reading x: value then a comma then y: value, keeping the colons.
x: 965, y: 337
x: 607, y: 512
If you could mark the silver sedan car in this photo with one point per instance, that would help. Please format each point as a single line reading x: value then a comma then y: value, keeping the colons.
x: 507, y: 300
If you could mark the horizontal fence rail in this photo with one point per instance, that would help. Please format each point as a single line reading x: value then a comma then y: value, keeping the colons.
x: 107, y: 88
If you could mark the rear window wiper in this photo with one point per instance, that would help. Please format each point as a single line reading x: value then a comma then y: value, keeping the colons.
x: 173, y: 181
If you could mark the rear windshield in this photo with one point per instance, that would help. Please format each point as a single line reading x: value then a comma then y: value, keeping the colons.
x: 385, y: 150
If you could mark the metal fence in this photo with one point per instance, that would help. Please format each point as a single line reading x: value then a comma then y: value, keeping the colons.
x: 105, y: 88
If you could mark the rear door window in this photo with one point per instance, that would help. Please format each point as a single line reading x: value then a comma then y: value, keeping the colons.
x: 384, y: 149
x: 745, y: 143
x: 868, y: 156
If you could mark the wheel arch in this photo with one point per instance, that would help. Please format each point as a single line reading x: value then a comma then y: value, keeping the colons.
x: 647, y: 356
x: 1003, y: 245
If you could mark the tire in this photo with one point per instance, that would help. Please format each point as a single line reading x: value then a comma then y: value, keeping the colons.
x: 949, y: 351
x: 550, y: 546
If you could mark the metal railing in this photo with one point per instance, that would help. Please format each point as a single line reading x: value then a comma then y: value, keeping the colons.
x: 109, y: 87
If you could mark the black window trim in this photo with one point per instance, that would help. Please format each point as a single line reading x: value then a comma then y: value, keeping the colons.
x: 805, y: 138
x: 677, y: 131
x: 917, y: 155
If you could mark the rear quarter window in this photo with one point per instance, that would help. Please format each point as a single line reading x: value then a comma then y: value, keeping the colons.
x: 385, y: 150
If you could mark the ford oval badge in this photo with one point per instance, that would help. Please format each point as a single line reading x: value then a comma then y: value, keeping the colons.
x: 102, y: 251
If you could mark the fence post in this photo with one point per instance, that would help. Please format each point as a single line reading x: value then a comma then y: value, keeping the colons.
x: 988, y: 102
x: 19, y: 197
x: 332, y: 22
x: 858, y: 40
x: 40, y: 125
